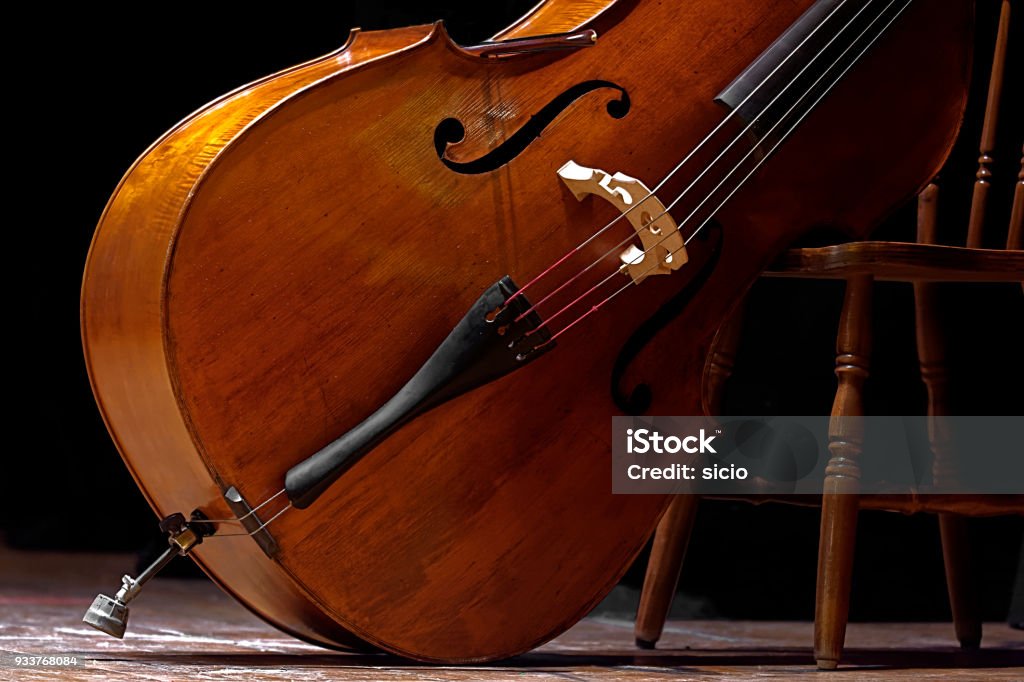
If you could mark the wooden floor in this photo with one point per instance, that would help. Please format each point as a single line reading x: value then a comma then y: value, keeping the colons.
x: 189, y: 630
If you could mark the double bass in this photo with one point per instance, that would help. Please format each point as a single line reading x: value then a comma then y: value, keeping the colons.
x: 359, y: 328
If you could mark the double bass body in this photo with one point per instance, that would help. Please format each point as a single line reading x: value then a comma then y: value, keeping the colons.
x: 275, y: 267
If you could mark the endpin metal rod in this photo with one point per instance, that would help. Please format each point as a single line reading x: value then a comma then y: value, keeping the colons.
x: 132, y: 586
x: 110, y: 614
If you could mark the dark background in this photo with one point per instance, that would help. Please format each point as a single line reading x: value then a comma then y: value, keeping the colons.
x: 101, y: 85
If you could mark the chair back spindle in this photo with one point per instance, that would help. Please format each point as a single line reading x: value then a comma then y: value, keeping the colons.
x: 1015, y: 236
x: 979, y: 200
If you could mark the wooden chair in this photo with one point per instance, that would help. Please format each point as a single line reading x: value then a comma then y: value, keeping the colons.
x: 923, y: 263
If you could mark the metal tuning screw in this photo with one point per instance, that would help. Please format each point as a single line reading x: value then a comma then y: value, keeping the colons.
x: 110, y: 614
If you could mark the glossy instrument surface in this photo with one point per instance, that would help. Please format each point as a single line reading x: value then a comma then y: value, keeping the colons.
x: 277, y: 266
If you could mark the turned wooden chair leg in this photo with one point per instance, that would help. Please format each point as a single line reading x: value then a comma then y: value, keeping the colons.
x: 1015, y: 235
x: 667, y: 554
x: 840, y: 495
x: 960, y: 580
x: 673, y: 533
x: 931, y: 353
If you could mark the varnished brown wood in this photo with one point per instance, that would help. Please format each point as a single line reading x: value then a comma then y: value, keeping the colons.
x: 960, y: 579
x: 241, y: 308
x: 667, y: 554
x: 142, y: 409
x: 979, y: 200
x: 722, y: 361
x: 124, y: 341
x: 552, y: 16
x: 1015, y: 235
x: 672, y: 535
x: 901, y: 262
x: 839, y: 500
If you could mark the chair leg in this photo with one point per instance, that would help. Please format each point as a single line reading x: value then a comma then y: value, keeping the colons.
x: 673, y: 532
x: 835, y: 573
x: 963, y: 595
x: 667, y: 553
x: 840, y: 494
x: 931, y: 353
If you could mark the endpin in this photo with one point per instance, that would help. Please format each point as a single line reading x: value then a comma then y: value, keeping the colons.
x: 110, y: 614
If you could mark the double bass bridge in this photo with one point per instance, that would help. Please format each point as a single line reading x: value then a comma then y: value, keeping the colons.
x: 662, y: 249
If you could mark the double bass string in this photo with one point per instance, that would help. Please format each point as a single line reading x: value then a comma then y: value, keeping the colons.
x: 239, y: 519
x: 682, y: 163
x: 743, y: 181
x: 259, y: 527
x: 678, y: 167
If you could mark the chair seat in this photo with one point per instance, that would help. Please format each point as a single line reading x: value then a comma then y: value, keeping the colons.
x: 901, y: 262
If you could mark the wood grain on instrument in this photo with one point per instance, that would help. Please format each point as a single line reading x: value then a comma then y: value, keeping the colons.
x: 275, y: 268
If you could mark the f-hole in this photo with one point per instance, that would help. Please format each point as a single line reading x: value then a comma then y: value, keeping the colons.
x: 451, y: 131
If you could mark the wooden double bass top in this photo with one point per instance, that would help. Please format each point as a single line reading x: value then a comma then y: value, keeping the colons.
x: 390, y: 299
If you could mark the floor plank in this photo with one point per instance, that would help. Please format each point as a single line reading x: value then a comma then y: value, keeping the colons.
x: 188, y: 629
